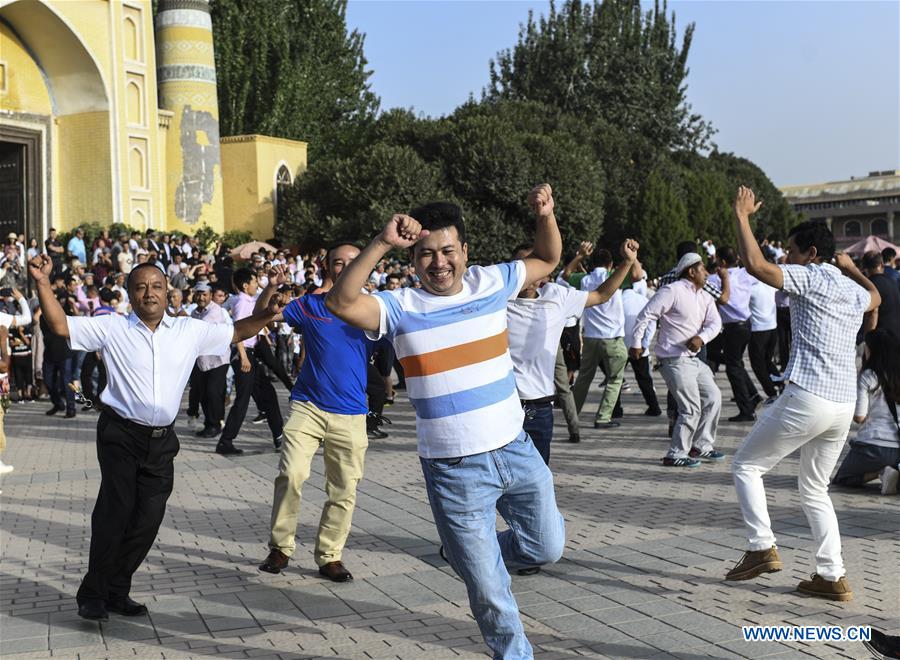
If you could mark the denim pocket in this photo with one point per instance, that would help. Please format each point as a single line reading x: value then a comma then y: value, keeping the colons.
x: 445, y: 464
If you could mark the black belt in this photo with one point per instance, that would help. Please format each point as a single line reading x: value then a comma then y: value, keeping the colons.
x: 538, y: 402
x: 152, y: 431
x: 747, y: 322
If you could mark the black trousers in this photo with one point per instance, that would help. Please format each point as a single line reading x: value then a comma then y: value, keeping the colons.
x: 642, y: 375
x: 92, y: 362
x: 253, y: 383
x: 208, y: 392
x: 762, y: 359
x: 735, y: 338
x: 783, y: 317
x: 266, y: 355
x: 136, y: 479
x: 375, y: 391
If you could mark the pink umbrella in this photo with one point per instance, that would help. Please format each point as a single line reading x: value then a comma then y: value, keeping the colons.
x: 869, y: 244
x: 247, y: 250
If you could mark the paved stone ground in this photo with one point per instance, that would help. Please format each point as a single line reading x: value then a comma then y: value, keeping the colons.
x: 641, y: 577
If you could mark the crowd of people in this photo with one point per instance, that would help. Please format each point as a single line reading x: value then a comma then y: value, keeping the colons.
x: 484, y: 353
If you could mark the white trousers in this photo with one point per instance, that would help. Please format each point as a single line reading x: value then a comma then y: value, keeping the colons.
x: 796, y: 419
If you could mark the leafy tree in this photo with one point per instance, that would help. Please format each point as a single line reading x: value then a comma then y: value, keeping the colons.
x: 289, y: 68
x: 775, y: 218
x: 661, y: 221
x: 606, y: 60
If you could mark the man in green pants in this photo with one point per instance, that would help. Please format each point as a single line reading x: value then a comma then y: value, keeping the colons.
x: 604, y: 332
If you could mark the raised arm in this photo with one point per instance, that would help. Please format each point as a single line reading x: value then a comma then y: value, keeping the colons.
x: 277, y: 277
x: 584, y: 250
x: 612, y: 283
x: 745, y: 205
x: 40, y: 268
x: 24, y: 315
x: 345, y: 299
x: 843, y: 261
x: 252, y: 325
x: 545, y: 254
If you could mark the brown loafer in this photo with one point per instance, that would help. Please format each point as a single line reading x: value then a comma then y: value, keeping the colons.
x: 335, y: 571
x: 276, y: 561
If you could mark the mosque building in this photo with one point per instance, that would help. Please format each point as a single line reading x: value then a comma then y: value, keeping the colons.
x: 107, y: 115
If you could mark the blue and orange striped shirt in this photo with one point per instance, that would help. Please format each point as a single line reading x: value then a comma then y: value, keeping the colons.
x: 455, y: 356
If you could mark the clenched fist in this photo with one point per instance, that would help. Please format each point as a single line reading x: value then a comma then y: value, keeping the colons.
x: 630, y: 249
x: 402, y: 231
x: 540, y: 200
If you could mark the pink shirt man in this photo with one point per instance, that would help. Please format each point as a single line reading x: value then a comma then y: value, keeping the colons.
x: 683, y: 312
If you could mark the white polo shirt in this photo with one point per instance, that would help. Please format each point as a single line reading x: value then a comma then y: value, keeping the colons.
x: 535, y: 325
x: 147, y: 371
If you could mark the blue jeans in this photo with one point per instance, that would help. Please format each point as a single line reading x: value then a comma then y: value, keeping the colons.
x: 465, y: 494
x: 539, y: 425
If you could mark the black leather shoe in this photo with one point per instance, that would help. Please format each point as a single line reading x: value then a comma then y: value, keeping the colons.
x: 335, y: 571
x: 742, y: 418
x: 653, y: 412
x: 275, y: 562
x: 607, y: 425
x: 93, y: 610
x: 531, y: 570
x: 574, y: 437
x: 228, y: 450
x: 125, y: 606
x: 54, y: 410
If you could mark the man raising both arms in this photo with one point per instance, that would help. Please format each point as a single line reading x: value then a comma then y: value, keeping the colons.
x: 451, y: 338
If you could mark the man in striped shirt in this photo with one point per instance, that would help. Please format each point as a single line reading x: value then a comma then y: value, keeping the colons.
x: 451, y: 338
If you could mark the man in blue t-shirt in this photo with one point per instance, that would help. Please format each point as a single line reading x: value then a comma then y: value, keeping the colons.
x: 328, y: 405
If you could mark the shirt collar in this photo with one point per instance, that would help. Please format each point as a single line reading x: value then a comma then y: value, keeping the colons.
x: 167, y: 320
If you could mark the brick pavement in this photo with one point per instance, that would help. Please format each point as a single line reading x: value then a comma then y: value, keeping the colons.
x: 641, y: 577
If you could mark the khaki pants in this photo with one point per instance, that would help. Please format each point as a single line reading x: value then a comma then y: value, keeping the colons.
x: 345, y: 442
x: 613, y: 355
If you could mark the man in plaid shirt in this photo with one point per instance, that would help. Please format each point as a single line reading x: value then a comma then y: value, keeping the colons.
x: 815, y: 410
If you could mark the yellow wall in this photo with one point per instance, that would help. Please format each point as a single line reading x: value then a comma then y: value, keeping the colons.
x: 85, y: 190
x: 249, y: 166
x: 111, y: 153
x: 24, y: 90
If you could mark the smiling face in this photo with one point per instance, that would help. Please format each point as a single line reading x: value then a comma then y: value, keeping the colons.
x: 440, y: 261
x: 339, y: 258
x: 147, y: 288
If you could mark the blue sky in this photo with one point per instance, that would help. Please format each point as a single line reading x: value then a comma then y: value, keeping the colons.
x: 810, y: 91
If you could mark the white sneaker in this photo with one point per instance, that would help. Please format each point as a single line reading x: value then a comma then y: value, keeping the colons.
x: 6, y: 469
x: 889, y: 479
x: 192, y: 422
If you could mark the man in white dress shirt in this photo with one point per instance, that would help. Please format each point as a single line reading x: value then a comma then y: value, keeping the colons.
x: 148, y: 356
x: 535, y: 322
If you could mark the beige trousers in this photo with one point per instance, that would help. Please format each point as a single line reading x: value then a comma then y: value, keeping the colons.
x: 344, y: 440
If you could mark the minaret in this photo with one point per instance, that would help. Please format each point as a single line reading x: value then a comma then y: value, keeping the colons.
x: 186, y: 72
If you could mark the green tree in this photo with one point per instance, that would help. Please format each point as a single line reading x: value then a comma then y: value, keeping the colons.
x: 661, y: 221
x: 289, y: 68
x: 609, y: 61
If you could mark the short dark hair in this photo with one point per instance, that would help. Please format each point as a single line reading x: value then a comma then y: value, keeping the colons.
x: 888, y: 254
x: 872, y: 260
x: 69, y: 279
x: 394, y: 276
x: 728, y: 255
x: 241, y: 277
x: 684, y: 248
x: 603, y: 258
x: 814, y: 233
x: 107, y: 295
x: 138, y: 267
x: 440, y: 215
x: 335, y: 246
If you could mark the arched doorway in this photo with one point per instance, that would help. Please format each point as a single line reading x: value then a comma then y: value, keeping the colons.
x: 55, y: 131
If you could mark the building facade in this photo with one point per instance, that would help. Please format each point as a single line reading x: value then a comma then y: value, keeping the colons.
x: 109, y: 116
x: 853, y: 209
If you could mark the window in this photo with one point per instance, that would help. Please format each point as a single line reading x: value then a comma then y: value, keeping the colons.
x: 852, y: 229
x: 879, y: 227
x: 283, y: 178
